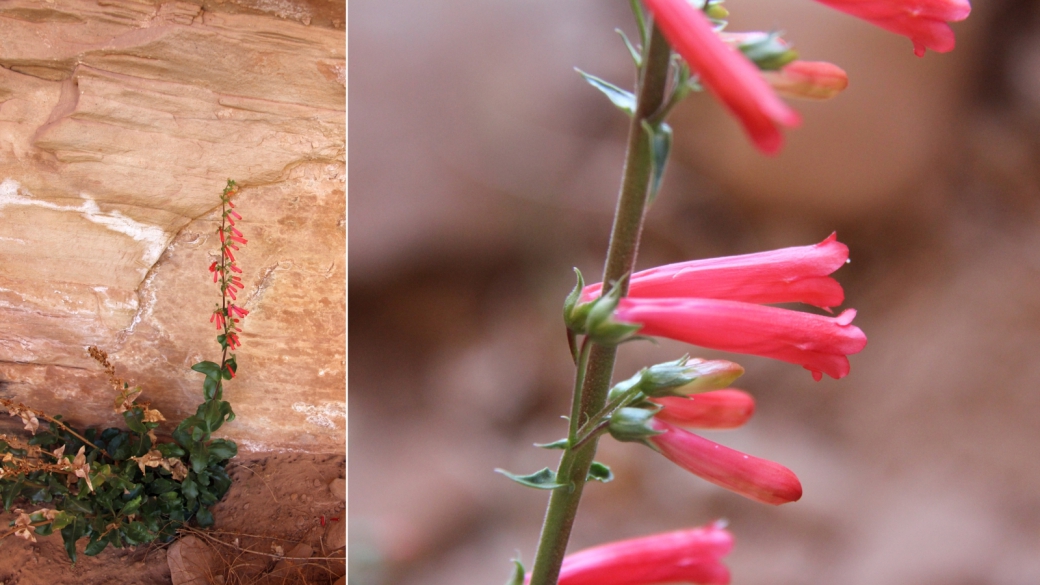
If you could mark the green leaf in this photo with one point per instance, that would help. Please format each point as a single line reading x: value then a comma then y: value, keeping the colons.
x: 560, y: 444
x: 11, y: 491
x: 600, y: 472
x: 543, y: 480
x: 199, y: 457
x: 77, y: 506
x: 170, y: 450
x: 222, y: 449
x: 211, y: 369
x: 660, y: 148
x: 518, y: 574
x: 137, y: 533
x: 71, y: 533
x: 96, y: 545
x: 221, y: 480
x: 134, y: 418
x: 189, y: 489
x: 61, y: 520
x: 209, y: 388
x: 624, y: 100
x: 204, y: 517
x: 213, y: 415
x: 131, y: 507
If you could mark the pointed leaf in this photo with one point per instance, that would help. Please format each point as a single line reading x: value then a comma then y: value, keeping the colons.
x: 543, y: 480
x: 660, y: 148
x: 619, y: 97
x: 561, y: 444
x: 211, y: 369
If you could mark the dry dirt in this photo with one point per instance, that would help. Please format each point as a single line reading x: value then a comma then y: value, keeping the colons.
x: 276, y: 505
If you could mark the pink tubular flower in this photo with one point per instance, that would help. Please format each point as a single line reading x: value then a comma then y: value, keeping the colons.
x: 820, y: 344
x: 796, y: 274
x: 719, y: 409
x: 758, y: 479
x: 237, y: 310
x: 692, y: 555
x: 922, y: 21
x: 728, y: 74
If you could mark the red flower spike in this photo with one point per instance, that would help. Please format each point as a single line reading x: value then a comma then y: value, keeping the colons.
x: 788, y: 275
x: 692, y: 555
x: 719, y: 409
x: 922, y: 21
x: 820, y: 344
x: 751, y: 477
x: 730, y: 76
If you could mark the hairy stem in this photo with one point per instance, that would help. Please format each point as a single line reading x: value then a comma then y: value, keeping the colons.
x: 621, y: 256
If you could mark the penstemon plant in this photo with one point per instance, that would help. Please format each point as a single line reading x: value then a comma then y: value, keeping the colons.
x: 128, y: 487
x: 720, y: 303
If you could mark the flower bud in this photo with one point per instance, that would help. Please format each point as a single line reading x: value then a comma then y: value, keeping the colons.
x: 684, y: 377
x: 632, y: 424
x: 811, y: 80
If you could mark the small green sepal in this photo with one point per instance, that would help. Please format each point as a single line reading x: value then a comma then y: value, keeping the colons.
x: 600, y: 472
x: 601, y: 327
x: 518, y: 574
x: 575, y: 314
x: 660, y: 148
x: 632, y: 424
x: 542, y: 480
x: 767, y: 50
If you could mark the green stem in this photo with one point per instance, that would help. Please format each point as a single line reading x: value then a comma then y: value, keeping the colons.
x: 579, y: 381
x: 621, y: 256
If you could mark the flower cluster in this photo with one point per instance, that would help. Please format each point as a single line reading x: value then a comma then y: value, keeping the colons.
x: 719, y: 303
x: 227, y: 314
x: 736, y: 82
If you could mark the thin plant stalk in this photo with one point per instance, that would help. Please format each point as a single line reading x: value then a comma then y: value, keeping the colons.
x: 621, y: 255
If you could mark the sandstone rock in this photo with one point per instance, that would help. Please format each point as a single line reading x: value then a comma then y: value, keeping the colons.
x: 119, y: 123
x: 192, y: 562
x: 338, y: 487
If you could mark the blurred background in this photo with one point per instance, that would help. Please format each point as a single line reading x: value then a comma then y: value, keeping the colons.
x: 482, y: 168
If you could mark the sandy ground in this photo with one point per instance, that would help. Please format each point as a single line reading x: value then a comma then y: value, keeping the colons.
x: 277, y: 505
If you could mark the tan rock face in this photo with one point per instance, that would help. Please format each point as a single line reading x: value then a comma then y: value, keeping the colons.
x: 120, y: 121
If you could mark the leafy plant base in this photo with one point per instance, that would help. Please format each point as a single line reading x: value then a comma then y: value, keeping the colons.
x: 260, y: 502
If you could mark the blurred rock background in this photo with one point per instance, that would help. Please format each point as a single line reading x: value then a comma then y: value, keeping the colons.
x: 482, y: 169
x: 120, y: 122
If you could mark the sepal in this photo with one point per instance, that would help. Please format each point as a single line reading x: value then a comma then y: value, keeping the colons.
x: 601, y: 327
x: 632, y: 424
x: 600, y: 472
x: 518, y: 573
x: 575, y: 314
x: 767, y: 50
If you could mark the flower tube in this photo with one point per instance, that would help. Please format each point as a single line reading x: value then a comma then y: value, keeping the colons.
x: 758, y: 479
x: 719, y: 409
x: 795, y: 274
x: 820, y: 344
x: 924, y: 22
x: 688, y: 556
x: 730, y: 76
